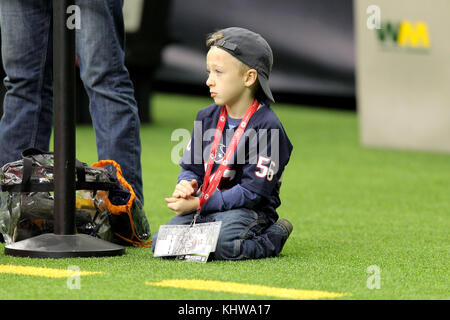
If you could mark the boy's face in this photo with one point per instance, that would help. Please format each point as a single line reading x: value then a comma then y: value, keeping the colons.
x: 226, y: 80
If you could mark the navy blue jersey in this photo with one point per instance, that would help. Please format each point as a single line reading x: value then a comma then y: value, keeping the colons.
x: 253, y: 178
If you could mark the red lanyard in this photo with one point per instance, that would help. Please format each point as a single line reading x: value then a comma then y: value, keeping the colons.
x: 210, y: 186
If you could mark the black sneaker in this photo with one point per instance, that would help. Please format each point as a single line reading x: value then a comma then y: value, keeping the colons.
x: 286, y: 224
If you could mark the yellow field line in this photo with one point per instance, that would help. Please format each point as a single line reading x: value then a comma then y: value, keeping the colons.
x: 43, y: 272
x: 242, y: 288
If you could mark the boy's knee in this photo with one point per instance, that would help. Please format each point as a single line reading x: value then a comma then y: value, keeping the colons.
x: 228, y: 250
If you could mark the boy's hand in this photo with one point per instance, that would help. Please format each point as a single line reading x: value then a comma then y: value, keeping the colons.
x: 185, y: 189
x: 182, y: 206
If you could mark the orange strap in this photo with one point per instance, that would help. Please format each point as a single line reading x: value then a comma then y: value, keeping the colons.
x: 112, y: 208
x: 145, y: 244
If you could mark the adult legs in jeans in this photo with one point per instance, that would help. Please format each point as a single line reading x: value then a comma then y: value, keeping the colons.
x: 26, y: 32
x: 27, y: 57
x: 101, y: 56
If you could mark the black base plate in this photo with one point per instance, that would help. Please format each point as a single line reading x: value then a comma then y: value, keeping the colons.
x: 51, y: 245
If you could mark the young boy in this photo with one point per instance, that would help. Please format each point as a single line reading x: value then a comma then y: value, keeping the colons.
x: 234, y: 175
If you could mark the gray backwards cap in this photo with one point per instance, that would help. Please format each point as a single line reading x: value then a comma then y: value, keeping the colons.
x: 251, y: 49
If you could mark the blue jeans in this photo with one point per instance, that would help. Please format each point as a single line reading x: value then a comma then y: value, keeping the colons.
x: 244, y: 234
x: 27, y: 52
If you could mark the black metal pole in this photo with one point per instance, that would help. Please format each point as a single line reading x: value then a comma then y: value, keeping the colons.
x: 64, y: 119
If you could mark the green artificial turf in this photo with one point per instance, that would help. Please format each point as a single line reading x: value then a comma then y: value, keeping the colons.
x: 352, y: 207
